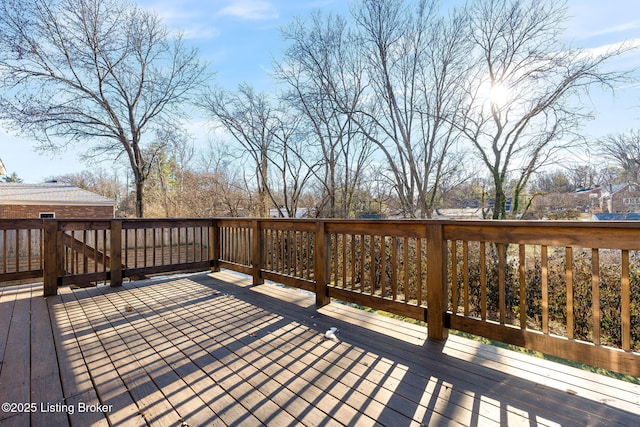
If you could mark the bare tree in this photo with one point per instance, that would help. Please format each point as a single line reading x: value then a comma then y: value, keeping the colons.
x: 97, y: 181
x: 415, y: 59
x: 172, y: 154
x: 98, y: 71
x: 216, y: 187
x: 581, y: 175
x: 522, y: 106
x: 324, y: 75
x: 269, y: 136
x: 624, y: 150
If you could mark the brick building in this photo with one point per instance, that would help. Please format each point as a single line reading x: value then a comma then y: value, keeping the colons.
x: 52, y: 200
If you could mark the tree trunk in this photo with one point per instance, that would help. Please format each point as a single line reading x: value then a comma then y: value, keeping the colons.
x: 139, y: 196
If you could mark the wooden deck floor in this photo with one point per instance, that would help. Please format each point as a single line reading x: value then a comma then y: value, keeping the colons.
x: 208, y: 349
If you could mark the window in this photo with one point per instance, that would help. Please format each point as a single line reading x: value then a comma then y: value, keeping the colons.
x: 44, y: 215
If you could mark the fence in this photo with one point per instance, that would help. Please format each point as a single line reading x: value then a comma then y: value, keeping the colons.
x: 21, y: 246
x: 567, y: 289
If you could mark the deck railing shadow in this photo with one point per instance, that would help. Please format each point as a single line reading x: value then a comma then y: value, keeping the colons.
x: 400, y: 373
x: 207, y: 347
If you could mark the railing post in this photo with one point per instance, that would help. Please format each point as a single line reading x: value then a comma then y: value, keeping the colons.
x: 51, y: 257
x: 436, y: 282
x: 116, y: 253
x: 321, y: 257
x: 256, y: 253
x: 214, y: 246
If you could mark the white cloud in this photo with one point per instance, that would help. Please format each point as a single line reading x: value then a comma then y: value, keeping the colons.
x: 250, y: 10
x: 620, y: 28
x: 630, y: 46
x: 185, y: 17
x: 202, y: 31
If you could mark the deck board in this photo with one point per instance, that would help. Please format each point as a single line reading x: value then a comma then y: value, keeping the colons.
x: 209, y: 349
x: 45, y: 373
x: 15, y: 372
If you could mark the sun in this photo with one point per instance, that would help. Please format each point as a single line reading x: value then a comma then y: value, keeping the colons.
x: 495, y: 93
x: 499, y: 94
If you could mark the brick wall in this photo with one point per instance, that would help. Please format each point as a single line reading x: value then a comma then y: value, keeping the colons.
x: 61, y: 212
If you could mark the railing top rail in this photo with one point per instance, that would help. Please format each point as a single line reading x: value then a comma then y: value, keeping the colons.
x: 20, y: 224
x: 574, y: 234
x: 444, y: 222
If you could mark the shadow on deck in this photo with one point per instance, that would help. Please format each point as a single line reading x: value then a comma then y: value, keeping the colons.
x: 209, y: 349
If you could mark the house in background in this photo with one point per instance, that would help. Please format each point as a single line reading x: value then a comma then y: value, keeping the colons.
x: 622, y: 198
x: 52, y: 200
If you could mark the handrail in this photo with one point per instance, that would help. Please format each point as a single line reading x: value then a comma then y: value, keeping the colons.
x: 569, y: 289
x: 21, y: 249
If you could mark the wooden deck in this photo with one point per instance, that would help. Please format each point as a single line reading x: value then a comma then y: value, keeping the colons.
x: 209, y: 349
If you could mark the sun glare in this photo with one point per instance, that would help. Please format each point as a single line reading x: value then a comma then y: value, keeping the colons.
x: 499, y: 94
x: 495, y: 93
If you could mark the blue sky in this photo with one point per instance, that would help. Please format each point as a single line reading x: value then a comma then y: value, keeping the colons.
x: 239, y: 38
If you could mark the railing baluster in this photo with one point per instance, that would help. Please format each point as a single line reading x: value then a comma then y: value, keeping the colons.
x: 154, y: 240
x: 595, y: 295
x: 522, y: 284
x: 162, y: 246
x: 372, y: 265
x: 4, y: 251
x: 405, y: 281
x: 383, y: 267
x: 104, y: 254
x: 41, y: 249
x: 394, y: 268
x: 362, y: 259
x: 454, y: 276
x: 352, y: 259
x: 625, y: 295
x: 29, y: 252
x: 569, y: 284
x: 146, y: 263
x: 465, y: 275
x: 96, y: 252
x: 136, y: 247
x: 483, y: 282
x: 545, y: 290
x: 85, y: 257
x: 171, y: 244
x: 296, y: 254
x: 501, y: 283
x: 181, y: 245
x: 73, y: 255
x: 192, y: 246
x: 344, y: 260
x: 17, y: 250
x: 419, y: 268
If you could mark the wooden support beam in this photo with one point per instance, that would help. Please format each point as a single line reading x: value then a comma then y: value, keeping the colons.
x: 436, y: 282
x: 116, y: 253
x: 214, y: 246
x: 51, y: 257
x: 322, y: 260
x: 256, y: 253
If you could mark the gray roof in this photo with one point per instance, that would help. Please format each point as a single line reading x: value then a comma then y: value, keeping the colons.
x: 49, y: 193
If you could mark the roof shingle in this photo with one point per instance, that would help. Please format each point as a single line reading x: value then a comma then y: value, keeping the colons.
x: 50, y: 193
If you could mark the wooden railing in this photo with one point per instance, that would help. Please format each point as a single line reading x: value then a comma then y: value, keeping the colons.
x: 85, y: 252
x: 21, y: 250
x: 568, y: 289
